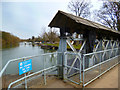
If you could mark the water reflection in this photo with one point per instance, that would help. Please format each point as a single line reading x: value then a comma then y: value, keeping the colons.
x: 27, y: 50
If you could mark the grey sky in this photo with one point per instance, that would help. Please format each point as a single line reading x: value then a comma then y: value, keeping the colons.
x: 26, y: 19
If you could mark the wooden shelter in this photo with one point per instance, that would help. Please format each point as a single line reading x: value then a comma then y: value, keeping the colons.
x: 107, y: 39
x: 71, y: 23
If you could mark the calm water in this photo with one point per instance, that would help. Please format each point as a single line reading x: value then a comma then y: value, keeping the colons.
x: 23, y: 50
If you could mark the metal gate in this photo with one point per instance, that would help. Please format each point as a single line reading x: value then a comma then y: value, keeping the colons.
x: 84, y: 68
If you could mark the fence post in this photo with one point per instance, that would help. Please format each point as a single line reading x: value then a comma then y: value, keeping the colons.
x: 25, y: 78
x: 44, y: 70
x: 100, y: 58
x: 25, y: 82
x: 83, y: 69
x: 80, y: 67
x: 65, y: 68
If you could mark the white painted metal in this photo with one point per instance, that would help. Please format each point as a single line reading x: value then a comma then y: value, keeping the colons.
x: 74, y: 50
x: 114, y: 48
x: 92, y: 58
x: 105, y: 50
x: 28, y: 57
x: 100, y: 51
x: 31, y: 75
x: 101, y: 63
x: 85, y: 84
x: 117, y: 47
x: 71, y: 46
x: 106, y: 61
x: 25, y: 58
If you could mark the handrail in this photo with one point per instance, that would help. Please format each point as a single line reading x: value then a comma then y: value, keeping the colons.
x: 6, y: 65
x: 92, y: 52
x: 101, y: 63
x: 30, y: 75
x: 99, y: 52
x: 74, y: 53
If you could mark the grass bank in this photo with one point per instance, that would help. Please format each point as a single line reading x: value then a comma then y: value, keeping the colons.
x: 57, y: 45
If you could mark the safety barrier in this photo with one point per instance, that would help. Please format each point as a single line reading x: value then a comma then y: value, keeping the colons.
x: 44, y: 63
x: 78, y: 67
x: 100, y: 66
x: 87, y: 68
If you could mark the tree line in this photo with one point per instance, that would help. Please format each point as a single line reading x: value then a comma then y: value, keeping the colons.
x: 51, y: 36
x: 9, y: 40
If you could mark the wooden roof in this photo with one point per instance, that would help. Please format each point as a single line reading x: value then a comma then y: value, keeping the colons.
x: 80, y: 25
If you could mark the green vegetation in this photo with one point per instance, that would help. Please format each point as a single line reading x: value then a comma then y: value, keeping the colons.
x: 57, y: 44
x: 9, y: 40
x: 50, y: 44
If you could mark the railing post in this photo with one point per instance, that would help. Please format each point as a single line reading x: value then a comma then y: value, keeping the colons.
x: 83, y: 69
x: 25, y: 82
x: 65, y: 68
x: 44, y: 58
x: 100, y: 56
x: 25, y: 78
x: 80, y: 66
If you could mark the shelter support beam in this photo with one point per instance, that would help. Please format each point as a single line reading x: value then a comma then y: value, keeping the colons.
x: 61, y: 60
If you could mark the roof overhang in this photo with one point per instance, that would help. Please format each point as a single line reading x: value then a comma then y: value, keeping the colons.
x: 80, y: 25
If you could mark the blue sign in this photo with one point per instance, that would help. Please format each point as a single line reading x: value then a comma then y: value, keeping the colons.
x: 25, y: 66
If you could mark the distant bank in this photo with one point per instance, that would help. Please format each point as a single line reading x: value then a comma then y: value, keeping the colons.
x: 54, y: 46
x: 9, y: 40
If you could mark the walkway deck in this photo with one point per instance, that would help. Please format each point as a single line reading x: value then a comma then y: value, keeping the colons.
x: 108, y: 80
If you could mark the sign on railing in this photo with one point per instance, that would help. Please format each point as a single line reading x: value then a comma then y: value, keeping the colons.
x: 25, y: 66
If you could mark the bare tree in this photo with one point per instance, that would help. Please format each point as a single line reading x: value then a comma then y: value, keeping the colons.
x: 109, y: 14
x: 51, y: 36
x: 80, y: 7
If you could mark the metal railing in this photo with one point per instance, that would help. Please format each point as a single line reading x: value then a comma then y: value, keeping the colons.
x: 102, y: 66
x: 74, y: 70
x: 82, y: 73
x: 78, y: 68
x: 46, y: 68
x: 44, y: 72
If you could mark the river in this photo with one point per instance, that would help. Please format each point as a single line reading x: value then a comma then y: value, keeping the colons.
x: 23, y: 50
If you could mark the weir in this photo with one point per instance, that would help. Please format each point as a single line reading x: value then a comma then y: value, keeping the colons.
x: 99, y: 52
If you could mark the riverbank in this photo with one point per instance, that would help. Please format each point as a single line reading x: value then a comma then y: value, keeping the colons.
x: 56, y: 45
x: 8, y: 40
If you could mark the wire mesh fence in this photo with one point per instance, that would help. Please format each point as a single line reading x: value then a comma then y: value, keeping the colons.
x: 101, y: 63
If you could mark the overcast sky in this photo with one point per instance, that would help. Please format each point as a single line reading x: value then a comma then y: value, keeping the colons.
x: 26, y: 18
